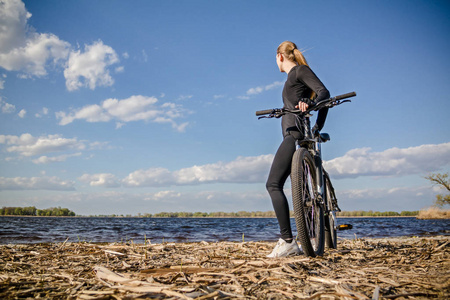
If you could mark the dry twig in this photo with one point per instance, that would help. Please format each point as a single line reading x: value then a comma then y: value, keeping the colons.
x: 416, y: 268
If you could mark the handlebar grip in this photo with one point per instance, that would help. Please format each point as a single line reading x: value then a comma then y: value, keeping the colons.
x: 264, y: 112
x: 348, y: 95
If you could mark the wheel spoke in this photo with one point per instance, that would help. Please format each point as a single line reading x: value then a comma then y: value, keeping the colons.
x: 309, y: 209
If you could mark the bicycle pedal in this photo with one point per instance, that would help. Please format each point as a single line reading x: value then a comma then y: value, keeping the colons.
x: 344, y: 227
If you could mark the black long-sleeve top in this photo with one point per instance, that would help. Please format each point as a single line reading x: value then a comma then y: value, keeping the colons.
x: 300, y: 81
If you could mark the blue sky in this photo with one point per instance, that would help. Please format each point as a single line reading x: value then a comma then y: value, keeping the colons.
x: 127, y: 107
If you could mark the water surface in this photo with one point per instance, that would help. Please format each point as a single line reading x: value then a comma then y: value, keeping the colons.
x: 73, y: 229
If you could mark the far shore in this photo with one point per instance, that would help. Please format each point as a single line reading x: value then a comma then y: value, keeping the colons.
x: 224, y: 217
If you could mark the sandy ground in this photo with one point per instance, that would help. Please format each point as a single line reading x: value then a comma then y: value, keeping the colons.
x: 391, y: 268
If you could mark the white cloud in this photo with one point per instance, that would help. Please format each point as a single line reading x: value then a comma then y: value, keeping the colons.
x: 260, y: 89
x: 45, y: 159
x: 33, y: 57
x: 180, y: 127
x: 119, y: 69
x: 90, y: 68
x: 357, y: 162
x: 385, y: 199
x: 103, y: 179
x: 27, y: 145
x: 43, y: 112
x: 144, y: 56
x: 90, y: 113
x: 36, y: 183
x: 241, y: 170
x: 22, y: 113
x: 14, y: 18
x: 149, y: 177
x: 185, y: 97
x: 23, y: 49
x: 134, y: 108
x: 255, y: 91
x: 391, y: 162
x: 6, y: 107
x: 99, y: 146
x: 164, y: 195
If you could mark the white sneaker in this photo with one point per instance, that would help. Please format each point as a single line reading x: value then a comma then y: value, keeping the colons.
x: 283, y: 249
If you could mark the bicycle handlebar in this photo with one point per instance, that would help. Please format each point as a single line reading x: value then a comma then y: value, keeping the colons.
x: 316, y: 106
x: 343, y: 96
x: 264, y: 112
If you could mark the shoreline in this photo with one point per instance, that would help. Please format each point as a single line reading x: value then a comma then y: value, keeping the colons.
x: 340, y: 239
x: 394, y: 239
x: 132, y: 217
x: 371, y: 268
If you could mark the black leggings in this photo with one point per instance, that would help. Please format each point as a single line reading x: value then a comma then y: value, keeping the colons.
x: 279, y: 172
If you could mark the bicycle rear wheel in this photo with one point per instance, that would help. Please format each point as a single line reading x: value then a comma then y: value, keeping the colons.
x: 330, y: 216
x: 308, y: 210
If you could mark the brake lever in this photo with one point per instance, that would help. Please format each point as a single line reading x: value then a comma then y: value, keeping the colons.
x: 336, y: 103
x: 273, y: 115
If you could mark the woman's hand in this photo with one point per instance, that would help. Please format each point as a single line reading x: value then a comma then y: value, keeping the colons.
x: 304, y: 103
x: 302, y: 106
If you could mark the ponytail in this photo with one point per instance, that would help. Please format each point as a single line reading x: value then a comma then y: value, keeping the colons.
x: 299, y: 58
x: 292, y: 53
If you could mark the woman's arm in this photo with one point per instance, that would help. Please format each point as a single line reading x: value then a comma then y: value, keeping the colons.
x: 307, y: 76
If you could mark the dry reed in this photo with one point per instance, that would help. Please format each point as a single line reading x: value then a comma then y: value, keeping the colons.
x: 403, y: 268
x: 434, y: 213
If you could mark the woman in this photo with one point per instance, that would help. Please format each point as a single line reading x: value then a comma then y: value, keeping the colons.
x: 301, y: 84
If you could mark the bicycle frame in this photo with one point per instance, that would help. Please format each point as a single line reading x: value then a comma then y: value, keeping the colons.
x: 313, y: 144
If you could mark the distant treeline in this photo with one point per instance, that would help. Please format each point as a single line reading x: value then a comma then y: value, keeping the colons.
x: 240, y: 214
x: 33, y: 211
x: 361, y: 213
x: 260, y: 214
x: 65, y: 212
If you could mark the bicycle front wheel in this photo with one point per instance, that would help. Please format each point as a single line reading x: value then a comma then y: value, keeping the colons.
x: 308, y: 209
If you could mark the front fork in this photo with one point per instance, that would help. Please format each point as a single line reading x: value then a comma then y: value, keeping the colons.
x: 319, y: 175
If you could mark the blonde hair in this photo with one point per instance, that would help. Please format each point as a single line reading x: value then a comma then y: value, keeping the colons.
x: 292, y: 53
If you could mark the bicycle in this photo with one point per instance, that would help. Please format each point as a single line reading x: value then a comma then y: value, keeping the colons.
x: 313, y: 197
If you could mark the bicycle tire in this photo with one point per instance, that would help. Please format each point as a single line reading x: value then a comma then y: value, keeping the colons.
x: 330, y: 217
x: 308, y: 210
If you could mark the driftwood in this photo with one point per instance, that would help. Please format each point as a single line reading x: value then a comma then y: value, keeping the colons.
x: 402, y: 268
